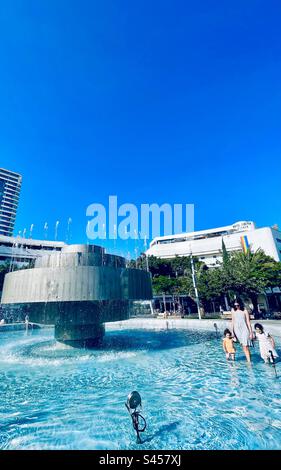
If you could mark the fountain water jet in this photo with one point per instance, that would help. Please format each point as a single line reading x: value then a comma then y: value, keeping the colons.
x: 56, y: 229
x: 68, y: 235
x: 46, y: 230
x: 31, y: 230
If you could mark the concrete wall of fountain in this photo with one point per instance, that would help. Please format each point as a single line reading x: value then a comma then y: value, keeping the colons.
x: 77, y: 290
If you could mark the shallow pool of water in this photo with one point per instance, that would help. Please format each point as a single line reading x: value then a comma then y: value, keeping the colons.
x: 55, y: 397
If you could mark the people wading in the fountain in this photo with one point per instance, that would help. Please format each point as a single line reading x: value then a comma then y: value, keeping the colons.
x: 228, y: 345
x: 266, y: 343
x: 241, y: 327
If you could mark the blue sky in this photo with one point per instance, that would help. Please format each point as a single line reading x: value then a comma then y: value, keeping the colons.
x: 152, y: 101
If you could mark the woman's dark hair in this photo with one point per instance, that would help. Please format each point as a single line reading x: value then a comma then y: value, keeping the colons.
x: 238, y: 301
x: 259, y: 326
x: 226, y: 332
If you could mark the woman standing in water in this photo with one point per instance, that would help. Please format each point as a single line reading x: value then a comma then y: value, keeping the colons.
x: 241, y: 327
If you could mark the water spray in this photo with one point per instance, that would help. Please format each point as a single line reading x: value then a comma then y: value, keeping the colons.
x: 272, y: 360
x: 68, y: 236
x: 133, y: 405
x: 26, y: 321
x: 31, y: 230
x: 46, y: 230
x: 56, y: 229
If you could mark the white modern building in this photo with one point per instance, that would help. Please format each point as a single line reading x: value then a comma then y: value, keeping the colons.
x: 207, y: 244
x: 17, y: 252
x: 20, y: 251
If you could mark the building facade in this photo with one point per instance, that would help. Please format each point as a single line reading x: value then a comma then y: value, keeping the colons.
x: 19, y: 251
x: 10, y: 185
x: 206, y: 245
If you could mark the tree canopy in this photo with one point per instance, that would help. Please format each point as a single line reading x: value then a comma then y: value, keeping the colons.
x: 238, y: 274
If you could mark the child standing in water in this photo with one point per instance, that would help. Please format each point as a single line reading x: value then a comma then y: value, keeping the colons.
x: 266, y: 343
x: 228, y: 345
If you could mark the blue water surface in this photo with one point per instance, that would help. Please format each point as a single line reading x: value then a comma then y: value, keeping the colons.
x: 56, y: 397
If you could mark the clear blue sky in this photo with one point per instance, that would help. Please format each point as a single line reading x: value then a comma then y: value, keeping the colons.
x: 152, y: 101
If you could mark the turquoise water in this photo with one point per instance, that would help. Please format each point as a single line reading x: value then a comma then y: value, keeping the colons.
x: 55, y: 397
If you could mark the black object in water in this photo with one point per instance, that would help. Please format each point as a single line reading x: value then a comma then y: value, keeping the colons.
x: 132, y: 405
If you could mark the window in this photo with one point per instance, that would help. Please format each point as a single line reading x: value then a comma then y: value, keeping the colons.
x: 162, y: 242
x: 9, y: 205
x: 2, y: 189
x: 5, y: 213
x: 178, y: 240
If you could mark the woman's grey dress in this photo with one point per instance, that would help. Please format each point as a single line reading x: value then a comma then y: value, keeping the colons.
x: 240, y: 327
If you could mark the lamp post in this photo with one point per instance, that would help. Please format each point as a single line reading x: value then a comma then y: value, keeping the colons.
x: 147, y: 269
x: 195, y: 284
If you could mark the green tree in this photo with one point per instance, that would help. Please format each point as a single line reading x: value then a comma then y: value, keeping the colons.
x: 180, y: 265
x: 239, y: 274
x: 250, y: 273
x: 163, y: 285
x: 210, y: 284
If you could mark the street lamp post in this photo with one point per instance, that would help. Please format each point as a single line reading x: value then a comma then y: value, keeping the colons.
x: 195, y: 285
x: 147, y: 268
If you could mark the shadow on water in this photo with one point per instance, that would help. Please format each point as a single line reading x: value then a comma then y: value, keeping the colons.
x: 20, y: 421
x: 122, y: 341
x: 154, y: 340
x: 166, y: 428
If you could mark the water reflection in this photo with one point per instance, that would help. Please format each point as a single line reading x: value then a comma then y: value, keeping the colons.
x: 57, y: 397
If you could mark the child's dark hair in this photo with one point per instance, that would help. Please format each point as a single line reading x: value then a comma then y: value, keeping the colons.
x: 227, y: 332
x: 259, y: 326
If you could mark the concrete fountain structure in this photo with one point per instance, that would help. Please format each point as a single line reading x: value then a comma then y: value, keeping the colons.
x: 77, y: 290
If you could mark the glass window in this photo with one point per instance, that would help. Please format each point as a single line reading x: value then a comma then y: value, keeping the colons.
x: 2, y: 189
